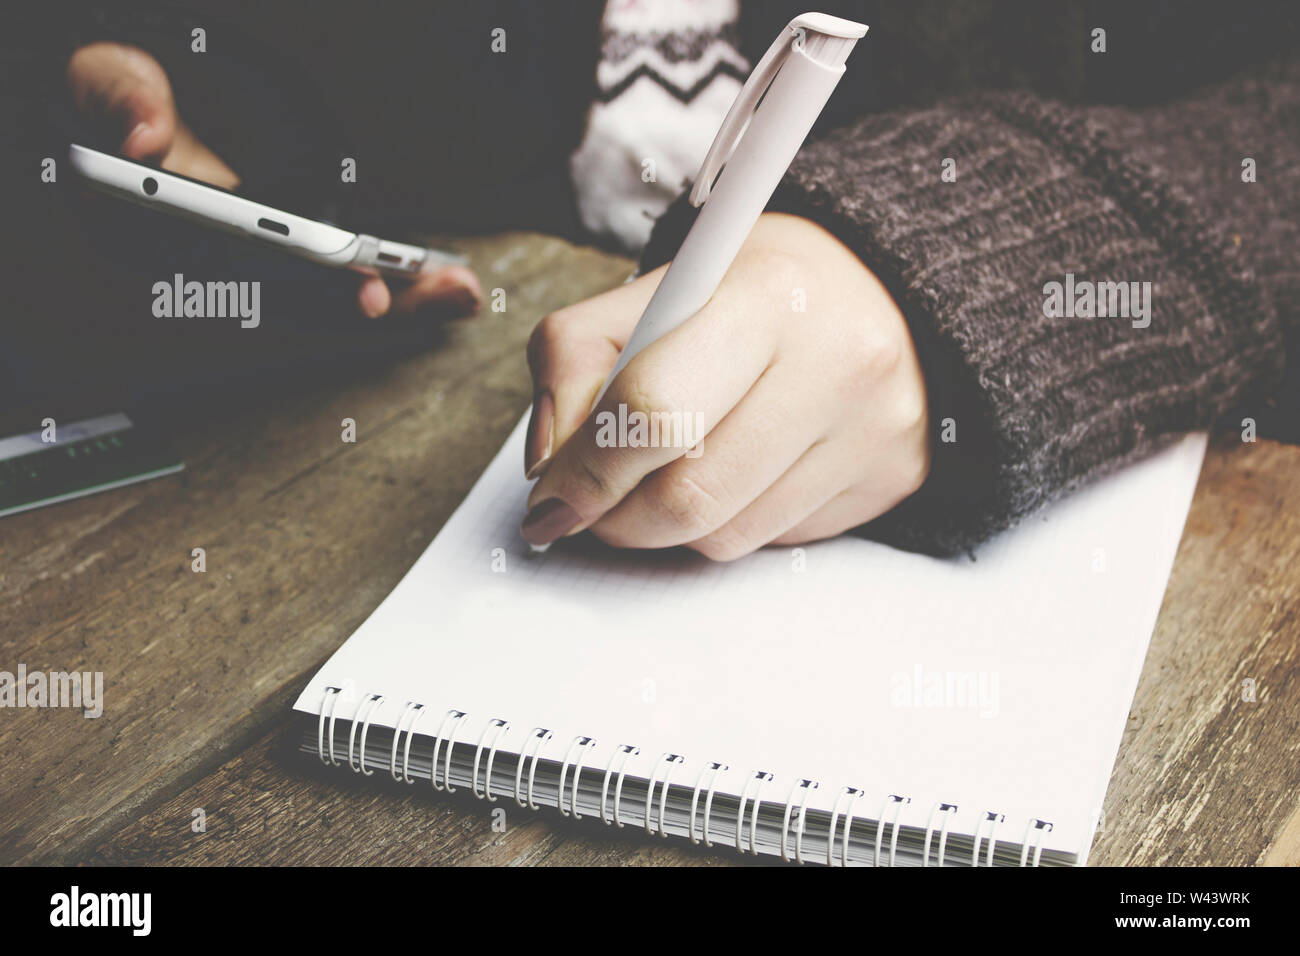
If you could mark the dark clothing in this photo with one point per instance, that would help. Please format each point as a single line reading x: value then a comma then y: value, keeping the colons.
x: 1119, y: 166
x: 1152, y: 192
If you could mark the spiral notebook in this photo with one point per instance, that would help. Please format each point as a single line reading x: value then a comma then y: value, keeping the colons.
x: 840, y: 703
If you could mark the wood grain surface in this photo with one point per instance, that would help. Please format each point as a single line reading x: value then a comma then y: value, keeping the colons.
x: 305, y: 535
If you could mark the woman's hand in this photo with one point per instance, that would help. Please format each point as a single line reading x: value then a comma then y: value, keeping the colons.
x: 127, y: 89
x: 800, y: 373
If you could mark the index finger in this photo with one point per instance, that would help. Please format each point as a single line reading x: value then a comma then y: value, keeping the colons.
x: 664, y: 402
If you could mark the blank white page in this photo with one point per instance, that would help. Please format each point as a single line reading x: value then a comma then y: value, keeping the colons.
x: 1001, y: 684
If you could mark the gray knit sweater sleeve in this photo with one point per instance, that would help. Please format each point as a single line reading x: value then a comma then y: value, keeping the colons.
x: 1041, y: 405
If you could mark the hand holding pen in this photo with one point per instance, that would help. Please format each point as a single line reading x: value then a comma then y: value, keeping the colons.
x: 777, y: 367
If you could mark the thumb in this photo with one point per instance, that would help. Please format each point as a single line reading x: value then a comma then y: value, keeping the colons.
x: 127, y: 90
x: 151, y: 125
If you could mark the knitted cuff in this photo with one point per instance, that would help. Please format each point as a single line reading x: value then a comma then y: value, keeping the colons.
x: 1024, y: 406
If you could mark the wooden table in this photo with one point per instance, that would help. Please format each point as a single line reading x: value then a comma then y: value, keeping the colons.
x: 304, y: 535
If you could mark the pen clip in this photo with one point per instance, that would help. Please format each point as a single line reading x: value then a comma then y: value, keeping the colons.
x: 793, y: 37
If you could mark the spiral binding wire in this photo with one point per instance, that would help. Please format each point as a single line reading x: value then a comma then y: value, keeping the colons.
x: 853, y: 794
x: 994, y: 820
x: 417, y: 710
x: 898, y: 803
x: 759, y: 778
x: 537, y: 738
x: 804, y: 786
x: 712, y: 768
x: 500, y: 726
x: 368, y: 708
x: 455, y: 718
x: 623, y: 751
x: 1039, y: 827
x: 581, y: 746
x: 949, y: 811
x: 666, y: 761
x: 331, y: 698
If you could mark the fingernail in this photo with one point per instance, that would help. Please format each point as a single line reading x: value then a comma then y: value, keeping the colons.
x: 541, y: 435
x: 372, y: 301
x: 546, y: 522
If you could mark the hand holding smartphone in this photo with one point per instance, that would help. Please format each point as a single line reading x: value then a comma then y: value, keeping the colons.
x: 122, y: 91
x: 214, y: 207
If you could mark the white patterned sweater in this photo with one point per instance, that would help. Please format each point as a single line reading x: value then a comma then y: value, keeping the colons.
x: 669, y: 71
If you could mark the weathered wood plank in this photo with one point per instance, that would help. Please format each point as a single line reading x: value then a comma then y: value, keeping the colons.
x: 304, y: 536
x: 1285, y: 850
x: 1205, y: 777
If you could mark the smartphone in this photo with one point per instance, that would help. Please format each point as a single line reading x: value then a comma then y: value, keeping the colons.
x: 220, y: 209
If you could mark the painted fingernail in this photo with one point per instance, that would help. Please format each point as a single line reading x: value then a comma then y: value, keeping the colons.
x: 548, y: 521
x: 541, y: 435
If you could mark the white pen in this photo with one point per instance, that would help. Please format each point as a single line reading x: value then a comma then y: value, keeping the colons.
x: 750, y: 154
x: 759, y: 137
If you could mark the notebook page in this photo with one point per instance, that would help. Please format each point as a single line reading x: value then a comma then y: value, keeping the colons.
x: 1001, y: 684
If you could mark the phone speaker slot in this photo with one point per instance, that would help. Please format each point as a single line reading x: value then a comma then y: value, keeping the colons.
x: 270, y: 225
